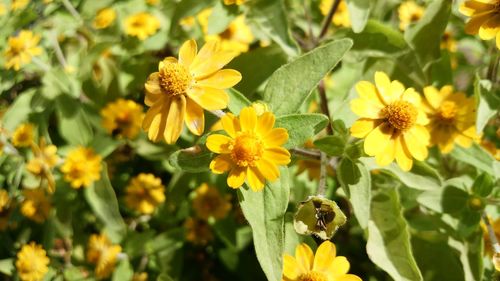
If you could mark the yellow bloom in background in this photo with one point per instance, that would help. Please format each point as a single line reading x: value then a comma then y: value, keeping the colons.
x: 341, y: 16
x: 491, y: 148
x: 144, y: 193
x: 45, y: 159
x: 142, y: 25
x: 153, y: 2
x: 3, y: 9
x: 104, y: 18
x: 198, y: 231
x: 231, y: 2
x: 324, y: 266
x: 82, y: 167
x: 252, y: 150
x: 181, y: 89
x: 448, y: 42
x: 409, y: 12
x: 21, y: 49
x: 4, y: 200
x: 187, y: 22
x: 36, y: 205
x: 392, y: 122
x: 452, y: 118
x: 23, y: 135
x: 6, y: 205
x: 209, y: 202
x: 143, y: 276
x: 102, y: 253
x: 32, y: 262
x: 484, y: 18
x: 123, y: 118
x: 19, y: 4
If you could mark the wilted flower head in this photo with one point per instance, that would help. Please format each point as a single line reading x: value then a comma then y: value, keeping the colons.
x: 198, y: 231
x: 122, y: 118
x: 209, y: 202
x: 45, y: 159
x: 36, y: 205
x: 144, y: 193
x: 32, y: 262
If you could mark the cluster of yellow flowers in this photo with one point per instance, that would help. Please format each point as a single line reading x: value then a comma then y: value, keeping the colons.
x: 144, y: 193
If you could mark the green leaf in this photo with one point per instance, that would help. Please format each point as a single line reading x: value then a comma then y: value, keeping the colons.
x: 221, y: 17
x: 265, y: 212
x: 7, y: 266
x: 102, y: 199
x: 196, y: 161
x: 358, y: 189
x: 123, y: 271
x: 388, y: 244
x: 301, y: 127
x: 488, y: 103
x: 332, y: 145
x: 292, y: 83
x: 19, y: 111
x: 74, y: 125
x: 359, y: 12
x: 483, y: 185
x: 237, y: 101
x: 476, y: 157
x: 449, y: 200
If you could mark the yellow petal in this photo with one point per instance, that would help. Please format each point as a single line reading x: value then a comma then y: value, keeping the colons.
x: 378, y: 139
x: 384, y: 87
x: 187, y: 52
x: 365, y: 108
x: 265, y: 123
x: 397, y: 89
x: 255, y: 179
x: 222, y: 79
x: 165, y: 60
x: 219, y: 143
x: 268, y: 169
x: 175, y: 118
x: 291, y: 268
x: 221, y: 164
x: 348, y: 277
x: 362, y: 127
x: 215, y: 62
x: 403, y: 156
x: 473, y: 25
x: 236, y: 177
x: 305, y: 257
x: 151, y: 99
x: 417, y: 149
x: 277, y: 155
x: 463, y: 140
x: 231, y: 124
x: 368, y: 91
x: 422, y: 118
x: 209, y: 98
x: 276, y: 137
x: 152, y: 85
x: 194, y: 118
x: 325, y: 254
x: 498, y: 40
x: 248, y: 119
x: 422, y: 134
x: 155, y: 119
x: 387, y: 155
x: 490, y: 28
x: 339, y: 266
x: 433, y: 96
x: 205, y: 53
x: 411, y: 96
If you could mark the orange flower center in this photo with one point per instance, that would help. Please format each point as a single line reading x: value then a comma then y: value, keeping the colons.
x: 401, y: 115
x: 313, y: 276
x: 246, y: 149
x: 175, y: 78
x: 447, y: 112
x: 227, y: 34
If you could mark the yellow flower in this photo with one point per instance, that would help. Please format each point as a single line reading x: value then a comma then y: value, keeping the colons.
x: 143, y: 276
x: 452, y: 118
x: 491, y: 148
x: 252, y: 150
x: 142, y: 25
x: 341, y: 16
x: 325, y: 266
x: 392, y: 122
x: 104, y: 18
x: 448, y: 42
x: 103, y: 254
x: 82, y: 167
x: 4, y: 200
x: 19, y: 4
x: 32, y: 262
x: 23, y: 135
x: 45, y: 159
x: 22, y: 48
x: 5, y: 209
x: 3, y: 9
x: 122, y: 118
x: 36, y: 205
x: 198, y: 231
x: 144, y: 193
x: 484, y: 16
x: 231, y: 2
x: 409, y: 12
x: 208, y: 202
x: 187, y: 22
x: 182, y: 88
x: 153, y: 2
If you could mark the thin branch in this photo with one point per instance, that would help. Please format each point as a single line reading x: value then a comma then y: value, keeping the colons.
x: 322, y: 174
x: 58, y: 50
x: 328, y: 19
x: 324, y: 105
x: 72, y: 10
x: 306, y: 153
x: 491, y: 234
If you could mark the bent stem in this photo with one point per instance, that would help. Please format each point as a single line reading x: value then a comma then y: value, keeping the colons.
x: 491, y: 234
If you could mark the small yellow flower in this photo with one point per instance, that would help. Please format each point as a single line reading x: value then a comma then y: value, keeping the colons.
x: 209, y: 202
x: 452, y: 118
x: 484, y: 16
x: 22, y: 48
x: 36, y: 206
x: 143, y: 276
x: 392, y: 122
x: 231, y: 2
x: 142, y: 25
x: 491, y: 148
x: 448, y: 42
x: 409, y: 12
x: 198, y: 231
x: 122, y: 118
x: 104, y: 18
x: 252, y: 150
x: 23, y: 135
x: 45, y: 159
x: 341, y: 16
x: 144, y: 193
x: 324, y: 266
x: 3, y: 9
x: 82, y: 167
x: 19, y: 4
x: 181, y: 89
x: 187, y: 22
x: 32, y: 262
x: 102, y: 253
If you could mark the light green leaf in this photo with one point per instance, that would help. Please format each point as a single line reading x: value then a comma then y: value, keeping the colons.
x: 74, y: 125
x: 221, y: 17
x: 358, y: 189
x: 388, y: 244
x: 483, y: 185
x: 449, y: 199
x: 191, y: 161
x: 7, y: 266
x: 19, y: 111
x: 476, y: 157
x: 292, y: 83
x: 237, y: 101
x: 332, y: 145
x: 487, y: 103
x: 359, y: 12
x: 265, y: 212
x: 301, y: 127
x: 123, y: 271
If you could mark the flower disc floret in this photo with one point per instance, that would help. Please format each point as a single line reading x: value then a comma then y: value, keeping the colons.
x: 174, y: 78
x: 313, y: 276
x: 401, y: 115
x: 247, y: 149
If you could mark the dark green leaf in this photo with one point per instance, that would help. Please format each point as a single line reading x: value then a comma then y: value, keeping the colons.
x: 331, y: 145
x: 195, y: 161
x: 301, y: 127
x: 483, y: 185
x: 358, y: 189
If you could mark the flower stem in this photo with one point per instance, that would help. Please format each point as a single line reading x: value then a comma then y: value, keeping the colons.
x: 72, y: 10
x: 322, y: 174
x: 324, y: 105
x: 493, y: 66
x: 491, y: 234
x: 306, y: 153
x: 328, y: 19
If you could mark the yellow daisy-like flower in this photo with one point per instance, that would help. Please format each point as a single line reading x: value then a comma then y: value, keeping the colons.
x: 102, y: 253
x: 142, y: 25
x: 144, y: 193
x: 231, y: 2
x: 484, y: 18
x: 392, y: 122
x: 104, y: 18
x: 82, y: 167
x: 181, y: 89
x: 21, y: 49
x: 452, y: 118
x: 209, y: 202
x: 45, y: 159
x: 252, y: 150
x: 32, y: 262
x: 19, y: 4
x: 122, y: 118
x: 409, y: 12
x: 36, y: 206
x: 341, y: 16
x: 324, y: 266
x: 23, y: 135
x: 448, y: 42
x: 198, y: 231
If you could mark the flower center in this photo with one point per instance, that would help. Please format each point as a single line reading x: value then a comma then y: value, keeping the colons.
x: 246, y: 149
x: 313, y: 276
x: 401, y: 115
x: 174, y: 78
x: 227, y: 34
x: 447, y: 112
